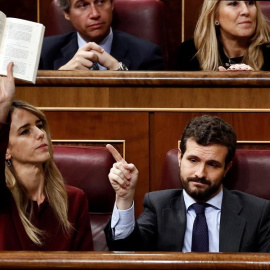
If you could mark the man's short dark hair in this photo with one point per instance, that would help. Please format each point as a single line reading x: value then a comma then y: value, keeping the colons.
x: 64, y: 5
x: 209, y: 130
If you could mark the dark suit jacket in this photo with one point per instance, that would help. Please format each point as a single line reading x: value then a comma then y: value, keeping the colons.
x: 135, y: 53
x: 244, y: 224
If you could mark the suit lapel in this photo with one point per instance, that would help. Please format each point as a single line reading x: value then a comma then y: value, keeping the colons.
x: 231, y: 224
x: 174, y: 222
x: 67, y: 52
x: 119, y: 49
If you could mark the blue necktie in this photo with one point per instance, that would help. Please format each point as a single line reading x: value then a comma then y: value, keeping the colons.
x: 95, y: 66
x: 200, y: 241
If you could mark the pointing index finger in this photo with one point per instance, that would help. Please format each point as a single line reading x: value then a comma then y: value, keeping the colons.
x: 115, y: 153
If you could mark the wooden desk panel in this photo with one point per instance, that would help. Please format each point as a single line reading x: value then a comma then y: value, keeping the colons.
x: 132, y: 260
x: 133, y: 128
x: 149, y: 110
x: 151, y: 90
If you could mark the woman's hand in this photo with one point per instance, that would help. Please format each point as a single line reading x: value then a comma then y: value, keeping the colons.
x: 7, y: 92
x: 236, y: 67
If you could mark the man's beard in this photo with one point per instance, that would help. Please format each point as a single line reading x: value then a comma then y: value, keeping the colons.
x: 200, y: 195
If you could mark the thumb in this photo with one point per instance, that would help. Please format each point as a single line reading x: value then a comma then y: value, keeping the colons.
x: 221, y: 68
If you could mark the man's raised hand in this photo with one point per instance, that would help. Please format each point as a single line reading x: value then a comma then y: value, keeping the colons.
x: 123, y: 177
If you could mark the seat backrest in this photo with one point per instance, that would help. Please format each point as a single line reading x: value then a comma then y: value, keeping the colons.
x: 250, y: 172
x: 265, y: 7
x: 142, y: 18
x: 87, y: 168
x: 55, y: 21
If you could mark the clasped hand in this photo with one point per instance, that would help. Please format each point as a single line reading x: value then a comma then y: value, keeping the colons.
x: 236, y: 67
x: 89, y: 54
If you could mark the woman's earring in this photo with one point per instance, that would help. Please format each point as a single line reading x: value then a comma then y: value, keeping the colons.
x: 8, y: 162
x: 216, y: 23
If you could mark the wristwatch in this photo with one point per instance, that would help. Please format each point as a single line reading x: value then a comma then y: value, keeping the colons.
x: 121, y: 67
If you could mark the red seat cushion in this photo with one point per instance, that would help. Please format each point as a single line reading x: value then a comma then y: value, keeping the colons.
x: 87, y: 168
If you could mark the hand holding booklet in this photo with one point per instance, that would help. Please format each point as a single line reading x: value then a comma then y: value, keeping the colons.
x: 20, y: 43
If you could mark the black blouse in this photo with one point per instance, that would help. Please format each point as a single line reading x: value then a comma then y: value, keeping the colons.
x: 188, y: 61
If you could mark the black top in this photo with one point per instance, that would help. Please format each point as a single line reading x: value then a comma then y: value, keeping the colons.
x: 188, y: 61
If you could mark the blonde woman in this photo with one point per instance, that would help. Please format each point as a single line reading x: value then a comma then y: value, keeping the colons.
x: 228, y: 34
x: 37, y: 210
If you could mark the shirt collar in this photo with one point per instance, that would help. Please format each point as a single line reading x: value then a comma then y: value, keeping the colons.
x: 215, y: 201
x: 106, y: 43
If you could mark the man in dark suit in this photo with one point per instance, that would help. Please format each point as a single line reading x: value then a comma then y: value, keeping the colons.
x: 95, y: 45
x: 231, y: 221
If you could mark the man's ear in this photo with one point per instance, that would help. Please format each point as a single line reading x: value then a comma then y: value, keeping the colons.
x: 8, y: 154
x: 228, y: 166
x: 67, y: 17
x: 179, y: 157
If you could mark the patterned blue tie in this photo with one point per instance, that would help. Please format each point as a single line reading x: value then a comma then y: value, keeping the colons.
x: 200, y: 241
x: 95, y: 66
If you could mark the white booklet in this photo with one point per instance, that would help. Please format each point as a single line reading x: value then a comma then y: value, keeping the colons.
x: 20, y: 42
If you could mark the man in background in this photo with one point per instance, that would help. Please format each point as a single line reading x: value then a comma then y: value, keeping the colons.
x: 95, y: 45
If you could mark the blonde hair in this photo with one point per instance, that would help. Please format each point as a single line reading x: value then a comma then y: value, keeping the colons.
x: 54, y: 186
x: 206, y: 40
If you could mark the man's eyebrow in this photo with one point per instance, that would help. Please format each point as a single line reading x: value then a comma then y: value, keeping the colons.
x: 77, y: 1
x: 208, y: 161
x: 192, y: 156
x: 214, y: 161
